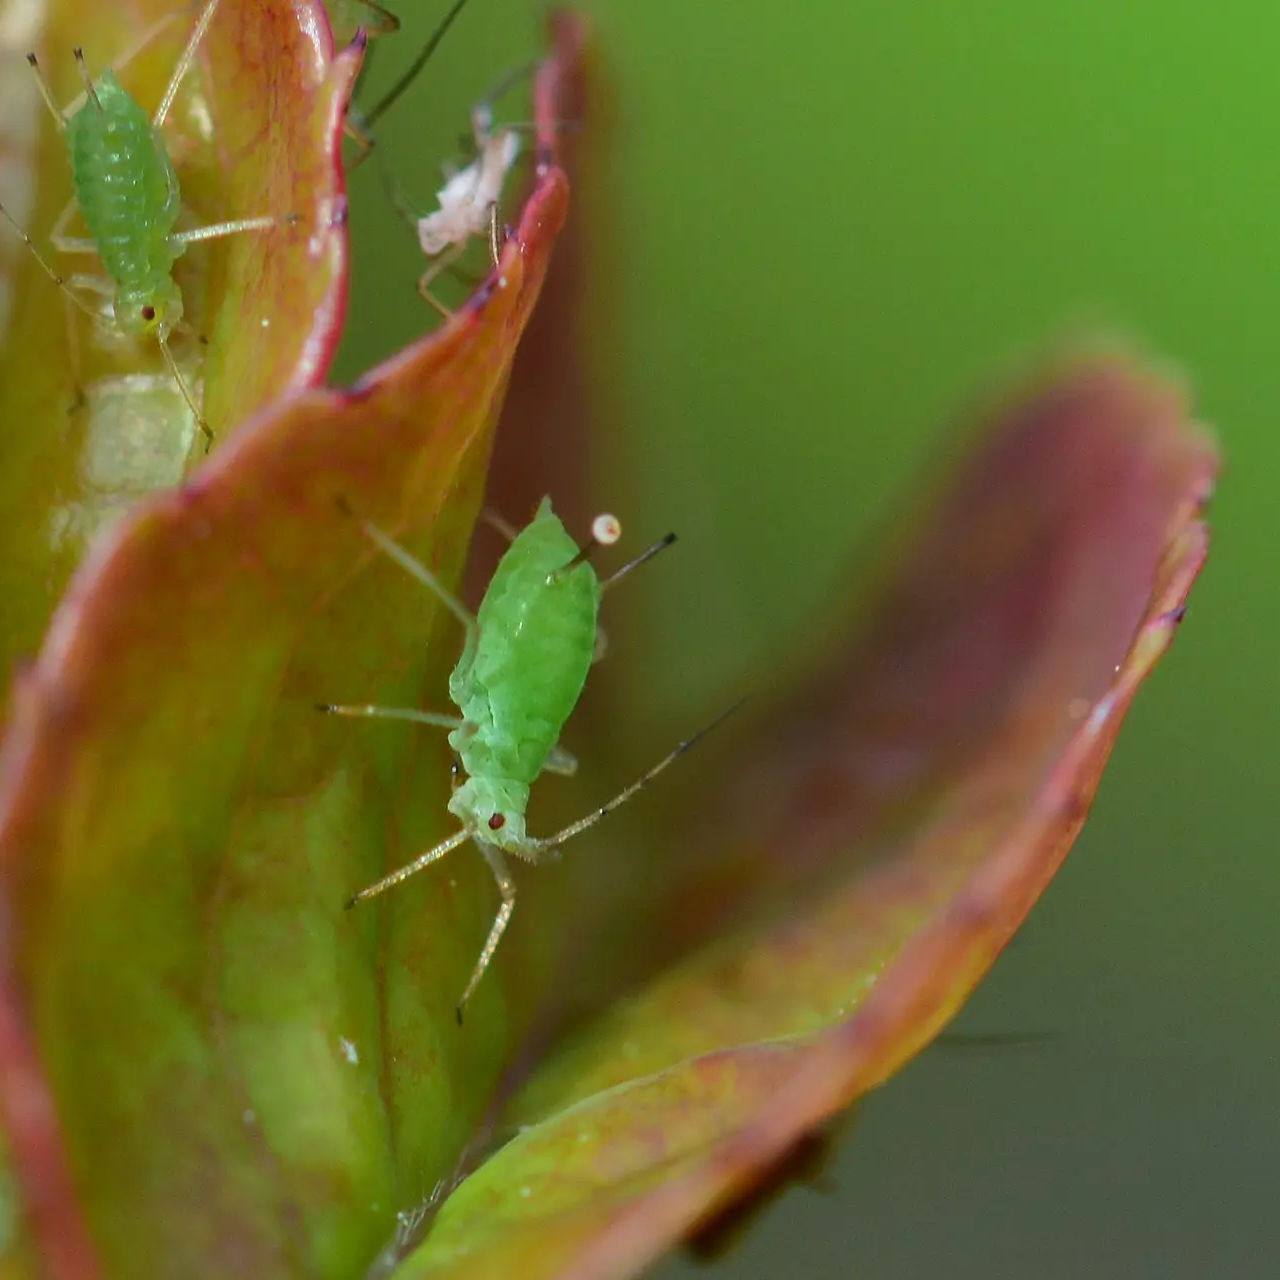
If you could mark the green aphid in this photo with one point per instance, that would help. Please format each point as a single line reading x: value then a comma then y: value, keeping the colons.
x: 522, y: 670
x: 127, y: 192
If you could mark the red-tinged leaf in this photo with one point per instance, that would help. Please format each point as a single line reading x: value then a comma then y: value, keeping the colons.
x: 255, y: 130
x: 866, y: 859
x: 247, y: 1078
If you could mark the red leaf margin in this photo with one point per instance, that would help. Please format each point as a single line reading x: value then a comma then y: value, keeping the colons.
x: 37, y: 754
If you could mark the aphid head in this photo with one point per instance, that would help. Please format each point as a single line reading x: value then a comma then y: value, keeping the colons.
x: 494, y: 809
x: 156, y: 309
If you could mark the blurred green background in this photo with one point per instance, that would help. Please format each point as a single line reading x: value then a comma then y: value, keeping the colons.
x: 836, y: 222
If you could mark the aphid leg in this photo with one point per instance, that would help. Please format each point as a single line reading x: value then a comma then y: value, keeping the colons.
x: 413, y: 566
x: 599, y: 650
x: 86, y: 79
x: 69, y: 297
x: 561, y: 762
x: 551, y: 843
x: 70, y: 244
x: 216, y: 230
x: 371, y: 117
x: 185, y: 388
x: 496, y: 236
x: 45, y: 265
x: 440, y: 265
x: 506, y: 887
x: 73, y: 349
x: 503, y: 526
x: 392, y: 713
x: 412, y: 868
x: 184, y: 63
x: 643, y: 558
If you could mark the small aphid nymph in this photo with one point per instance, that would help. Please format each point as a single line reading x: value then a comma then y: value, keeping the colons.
x: 127, y: 191
x: 521, y: 673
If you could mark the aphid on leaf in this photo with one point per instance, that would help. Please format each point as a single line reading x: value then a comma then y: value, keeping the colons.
x: 468, y: 203
x: 469, y: 200
x: 127, y: 192
x: 522, y: 670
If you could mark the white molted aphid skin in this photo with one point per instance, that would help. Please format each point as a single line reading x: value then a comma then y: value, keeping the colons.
x: 466, y: 197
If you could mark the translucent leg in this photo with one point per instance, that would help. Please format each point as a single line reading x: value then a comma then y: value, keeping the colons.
x: 392, y: 713
x: 503, y: 526
x: 187, y: 393
x: 506, y: 887
x: 45, y: 265
x: 70, y: 244
x: 562, y: 762
x: 441, y: 264
x: 218, y: 230
x: 413, y: 566
x: 184, y: 63
x: 412, y: 868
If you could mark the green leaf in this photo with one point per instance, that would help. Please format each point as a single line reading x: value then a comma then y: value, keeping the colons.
x: 862, y: 855
x: 245, y: 1074
x: 255, y: 130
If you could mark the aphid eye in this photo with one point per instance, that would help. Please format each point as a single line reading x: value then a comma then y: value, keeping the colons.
x: 496, y: 822
x: 148, y: 313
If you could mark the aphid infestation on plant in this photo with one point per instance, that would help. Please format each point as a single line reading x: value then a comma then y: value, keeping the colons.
x: 523, y: 667
x: 127, y: 194
x: 469, y: 203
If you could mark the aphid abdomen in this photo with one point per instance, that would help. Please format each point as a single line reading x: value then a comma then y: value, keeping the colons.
x: 125, y: 186
x: 537, y: 634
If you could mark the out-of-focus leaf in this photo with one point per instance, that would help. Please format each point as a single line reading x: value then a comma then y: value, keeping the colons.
x: 255, y: 130
x: 878, y: 843
x: 248, y: 1079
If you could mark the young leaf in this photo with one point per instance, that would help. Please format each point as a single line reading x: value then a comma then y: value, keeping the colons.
x: 246, y: 1076
x: 255, y: 129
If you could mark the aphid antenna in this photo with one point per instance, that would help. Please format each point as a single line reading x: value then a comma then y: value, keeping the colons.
x: 63, y: 114
x: 46, y: 90
x: 551, y: 843
x: 367, y: 119
x: 643, y: 558
x: 83, y: 68
x: 412, y: 868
